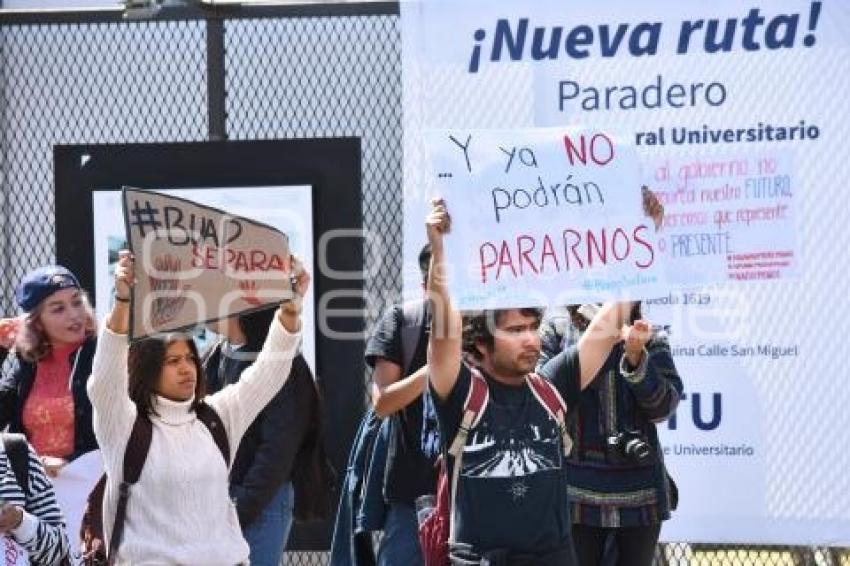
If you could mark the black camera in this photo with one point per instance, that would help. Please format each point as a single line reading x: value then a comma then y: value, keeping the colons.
x: 629, y: 446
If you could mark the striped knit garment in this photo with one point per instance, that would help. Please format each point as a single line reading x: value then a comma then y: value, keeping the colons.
x: 42, y: 532
x: 605, y: 493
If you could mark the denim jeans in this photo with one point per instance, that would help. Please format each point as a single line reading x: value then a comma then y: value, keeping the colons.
x: 268, y: 534
x: 400, y: 543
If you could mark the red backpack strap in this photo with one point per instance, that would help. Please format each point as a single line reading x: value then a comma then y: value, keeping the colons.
x: 473, y: 407
x: 548, y: 396
x: 213, y: 422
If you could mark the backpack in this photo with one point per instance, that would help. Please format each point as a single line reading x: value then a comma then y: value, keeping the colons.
x: 313, y: 476
x: 362, y: 504
x: 437, y: 531
x: 138, y: 445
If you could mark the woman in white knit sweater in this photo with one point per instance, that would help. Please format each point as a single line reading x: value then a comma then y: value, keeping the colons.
x: 179, y: 512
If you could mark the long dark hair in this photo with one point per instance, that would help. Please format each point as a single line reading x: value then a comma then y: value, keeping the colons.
x: 144, y: 365
x: 255, y: 326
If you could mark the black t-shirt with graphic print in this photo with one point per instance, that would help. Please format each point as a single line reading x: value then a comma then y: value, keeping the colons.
x: 512, y: 489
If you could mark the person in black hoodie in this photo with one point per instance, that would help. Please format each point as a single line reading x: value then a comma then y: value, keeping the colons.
x: 280, y: 470
x: 43, y: 395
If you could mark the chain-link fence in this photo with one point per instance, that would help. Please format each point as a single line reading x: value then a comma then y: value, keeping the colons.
x: 289, y: 72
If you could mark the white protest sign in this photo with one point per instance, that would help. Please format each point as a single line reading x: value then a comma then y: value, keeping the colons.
x: 727, y: 217
x: 196, y: 263
x: 73, y: 485
x: 543, y: 217
x: 13, y: 553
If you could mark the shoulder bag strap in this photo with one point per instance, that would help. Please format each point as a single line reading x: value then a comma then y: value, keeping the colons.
x: 135, y: 455
x: 213, y: 422
x: 413, y: 318
x: 473, y: 408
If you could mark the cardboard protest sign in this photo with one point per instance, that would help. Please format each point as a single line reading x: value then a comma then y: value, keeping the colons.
x: 543, y: 217
x: 196, y: 263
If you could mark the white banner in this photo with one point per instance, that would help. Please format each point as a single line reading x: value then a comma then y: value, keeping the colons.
x: 738, y: 114
x: 543, y: 215
x: 72, y: 487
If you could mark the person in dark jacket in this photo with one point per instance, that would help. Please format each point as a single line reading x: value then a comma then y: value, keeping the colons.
x: 398, y: 386
x: 283, y: 443
x: 618, y: 486
x: 43, y: 395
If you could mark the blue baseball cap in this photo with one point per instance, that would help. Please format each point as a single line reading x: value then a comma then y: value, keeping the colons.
x: 40, y: 283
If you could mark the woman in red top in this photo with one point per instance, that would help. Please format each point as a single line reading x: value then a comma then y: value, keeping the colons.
x: 44, y: 394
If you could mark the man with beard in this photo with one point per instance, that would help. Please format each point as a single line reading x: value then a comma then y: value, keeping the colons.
x: 510, y: 501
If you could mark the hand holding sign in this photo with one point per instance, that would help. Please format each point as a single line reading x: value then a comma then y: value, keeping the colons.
x: 652, y: 207
x: 301, y: 278
x: 438, y: 223
x: 10, y: 517
x: 118, y: 320
x: 125, y: 276
x: 290, y: 309
x: 53, y: 465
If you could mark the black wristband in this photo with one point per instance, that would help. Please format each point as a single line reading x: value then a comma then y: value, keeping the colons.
x: 121, y: 299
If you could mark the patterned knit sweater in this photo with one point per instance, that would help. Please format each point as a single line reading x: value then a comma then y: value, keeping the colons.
x: 605, y: 490
x: 180, y: 511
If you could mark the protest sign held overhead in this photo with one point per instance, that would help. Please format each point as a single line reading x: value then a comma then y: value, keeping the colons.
x: 196, y: 263
x: 543, y: 217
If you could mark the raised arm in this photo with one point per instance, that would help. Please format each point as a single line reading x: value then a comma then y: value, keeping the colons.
x: 107, y: 387
x: 239, y: 404
x: 10, y: 379
x: 602, y: 333
x: 444, y: 343
x: 648, y: 369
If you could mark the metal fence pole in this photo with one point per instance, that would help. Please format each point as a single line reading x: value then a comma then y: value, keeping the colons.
x: 216, y: 94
